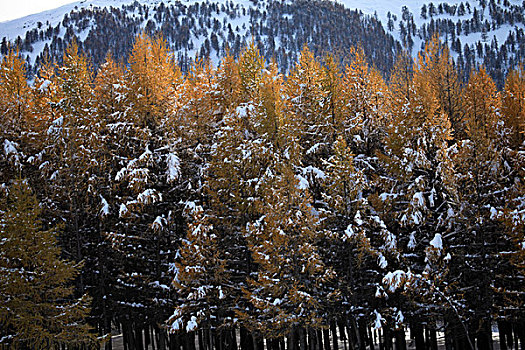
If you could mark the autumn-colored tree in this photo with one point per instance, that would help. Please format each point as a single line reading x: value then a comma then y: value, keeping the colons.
x: 151, y: 76
x: 484, y: 176
x: 239, y: 157
x: 307, y: 102
x: 417, y: 192
x: 444, y: 79
x: 37, y: 307
x: 200, y: 282
x: 289, y: 293
x: 15, y: 91
x: 15, y: 106
x: 514, y: 115
x: 513, y: 105
x: 71, y: 144
x: 366, y: 99
x: 229, y: 83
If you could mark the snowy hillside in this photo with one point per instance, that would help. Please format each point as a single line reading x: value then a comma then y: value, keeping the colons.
x: 477, y: 31
x: 201, y: 28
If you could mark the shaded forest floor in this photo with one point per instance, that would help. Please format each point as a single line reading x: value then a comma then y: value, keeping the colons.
x: 118, y: 343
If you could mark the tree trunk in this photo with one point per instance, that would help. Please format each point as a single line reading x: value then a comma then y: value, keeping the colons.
x: 233, y: 334
x: 139, y: 345
x: 289, y: 341
x: 173, y: 342
x: 484, y: 335
x: 432, y: 338
x: 246, y: 339
x: 351, y: 332
x: 302, y: 338
x: 449, y: 333
x: 312, y: 339
x: 257, y: 342
x: 161, y: 338
x: 401, y: 343
x: 154, y: 338
x: 326, y: 339
x: 202, y: 346
x: 520, y: 330
x: 387, y: 339
x: 147, y: 340
x: 417, y: 333
x: 503, y: 334
x: 190, y: 340
x: 333, y: 329
x: 370, y: 338
x: 361, y: 326
x: 342, y: 333
x: 129, y: 339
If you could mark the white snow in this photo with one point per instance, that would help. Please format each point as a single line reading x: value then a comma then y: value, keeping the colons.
x: 158, y: 224
x: 378, y: 320
x: 10, y: 148
x: 349, y: 232
x: 149, y: 196
x: 104, y: 211
x: 173, y: 171
x: 400, y: 318
x: 412, y: 241
x: 437, y: 242
x: 123, y: 210
x: 357, y: 219
x: 493, y: 213
x: 318, y: 173
x: 303, y: 183
x: 192, y: 324
x: 381, y: 260
x: 419, y: 199
x: 394, y: 280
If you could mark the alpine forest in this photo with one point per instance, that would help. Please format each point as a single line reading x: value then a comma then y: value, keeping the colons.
x: 237, y: 206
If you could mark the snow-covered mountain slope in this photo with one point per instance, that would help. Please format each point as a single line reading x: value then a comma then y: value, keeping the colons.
x: 202, y: 28
x: 488, y: 32
x: 478, y: 31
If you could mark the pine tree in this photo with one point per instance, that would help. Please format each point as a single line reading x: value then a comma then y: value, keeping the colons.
x: 199, y: 281
x: 513, y: 105
x: 418, y: 189
x: 513, y: 109
x: 239, y: 155
x: 366, y: 104
x: 37, y: 309
x: 142, y: 219
x: 290, y: 291
x: 69, y: 161
x: 307, y: 100
x: 484, y: 177
x: 228, y: 83
x: 15, y: 91
x: 15, y: 106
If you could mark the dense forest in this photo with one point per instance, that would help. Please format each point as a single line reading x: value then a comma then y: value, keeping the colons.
x: 478, y: 32
x: 210, y: 29
x: 237, y: 207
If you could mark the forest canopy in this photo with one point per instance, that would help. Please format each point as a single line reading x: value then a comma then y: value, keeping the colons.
x: 235, y: 203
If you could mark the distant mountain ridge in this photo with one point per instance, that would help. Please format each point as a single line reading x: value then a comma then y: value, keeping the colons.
x: 207, y: 29
x: 477, y: 31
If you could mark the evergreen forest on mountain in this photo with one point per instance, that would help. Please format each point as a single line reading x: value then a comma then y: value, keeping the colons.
x: 238, y: 206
